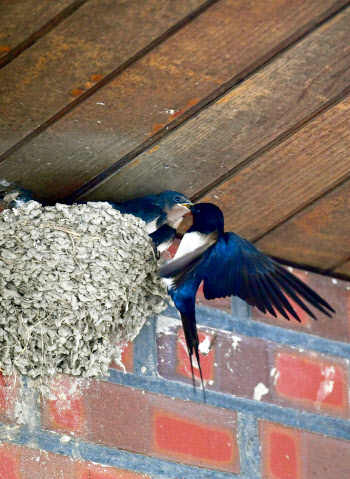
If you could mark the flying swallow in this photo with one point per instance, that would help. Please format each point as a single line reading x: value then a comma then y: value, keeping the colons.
x: 229, y: 265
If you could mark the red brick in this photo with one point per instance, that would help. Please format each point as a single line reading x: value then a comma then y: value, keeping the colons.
x: 122, y: 417
x: 327, y: 458
x: 312, y: 382
x: 235, y: 364
x: 9, y: 393
x: 173, y: 361
x: 9, y: 462
x: 289, y: 453
x: 67, y: 412
x: 94, y: 471
x: 18, y: 462
x: 183, y: 362
x: 337, y: 293
x: 188, y: 439
x: 45, y: 465
x: 281, y: 452
x: 127, y: 359
x: 334, y: 291
x: 243, y: 364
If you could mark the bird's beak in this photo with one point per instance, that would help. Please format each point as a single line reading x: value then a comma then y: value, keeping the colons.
x: 186, y: 205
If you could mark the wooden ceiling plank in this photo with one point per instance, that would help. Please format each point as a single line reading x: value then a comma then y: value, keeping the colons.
x: 317, y: 236
x: 257, y: 114
x: 93, y: 42
x: 21, y: 19
x: 161, y: 88
x: 343, y: 269
x: 288, y: 177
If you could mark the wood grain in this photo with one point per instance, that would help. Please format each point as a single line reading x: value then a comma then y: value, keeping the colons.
x: 90, y: 44
x: 343, y: 269
x: 288, y: 177
x: 220, y: 46
x: 252, y: 117
x: 317, y: 236
x: 22, y: 18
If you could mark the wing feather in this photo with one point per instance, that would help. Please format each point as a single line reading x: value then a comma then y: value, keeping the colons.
x: 235, y: 267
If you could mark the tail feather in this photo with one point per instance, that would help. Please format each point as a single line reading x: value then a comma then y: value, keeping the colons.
x: 192, y: 341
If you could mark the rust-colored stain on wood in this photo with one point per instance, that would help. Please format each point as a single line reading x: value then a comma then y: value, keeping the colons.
x: 152, y: 150
x: 219, y: 109
x: 99, y: 36
x: 77, y: 92
x: 96, y: 78
x: 176, y: 113
x: 22, y: 18
x: 156, y: 127
x: 262, y: 111
x: 142, y: 95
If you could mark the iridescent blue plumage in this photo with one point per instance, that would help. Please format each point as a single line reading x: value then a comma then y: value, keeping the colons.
x: 156, y: 210
x: 229, y: 265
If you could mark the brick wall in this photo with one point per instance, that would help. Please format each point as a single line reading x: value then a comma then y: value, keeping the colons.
x: 277, y: 403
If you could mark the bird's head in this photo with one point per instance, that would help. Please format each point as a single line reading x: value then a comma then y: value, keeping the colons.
x: 176, y: 205
x: 207, y: 218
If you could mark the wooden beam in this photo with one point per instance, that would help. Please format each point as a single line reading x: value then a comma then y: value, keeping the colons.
x: 343, y: 269
x: 285, y: 179
x: 72, y: 59
x: 24, y: 20
x: 318, y: 235
x: 217, y: 49
x: 246, y: 122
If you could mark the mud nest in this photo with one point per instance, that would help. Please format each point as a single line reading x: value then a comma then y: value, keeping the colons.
x: 76, y: 284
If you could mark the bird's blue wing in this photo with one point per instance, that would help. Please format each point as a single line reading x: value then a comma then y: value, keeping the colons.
x: 235, y: 267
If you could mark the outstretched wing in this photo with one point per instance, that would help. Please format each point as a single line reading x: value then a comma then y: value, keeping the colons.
x: 235, y: 267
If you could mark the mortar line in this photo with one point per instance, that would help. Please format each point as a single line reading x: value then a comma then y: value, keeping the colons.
x: 249, y: 445
x: 79, y: 449
x: 145, y: 349
x: 336, y: 427
x: 257, y: 329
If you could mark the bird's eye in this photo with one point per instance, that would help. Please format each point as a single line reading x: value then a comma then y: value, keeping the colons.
x: 177, y: 198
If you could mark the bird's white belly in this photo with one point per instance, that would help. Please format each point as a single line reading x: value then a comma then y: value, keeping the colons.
x: 151, y: 227
x: 190, y: 242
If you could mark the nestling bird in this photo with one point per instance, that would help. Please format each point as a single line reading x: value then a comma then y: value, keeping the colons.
x: 229, y: 265
x: 161, y: 212
x: 12, y: 195
x: 167, y: 207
